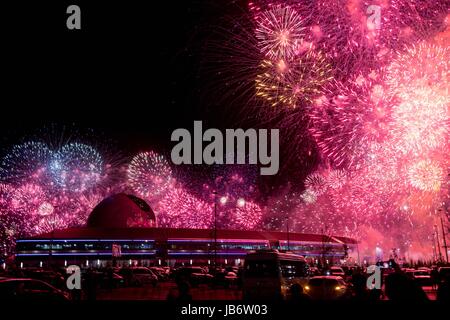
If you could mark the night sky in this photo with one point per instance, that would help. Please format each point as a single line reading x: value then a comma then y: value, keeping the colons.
x: 132, y: 74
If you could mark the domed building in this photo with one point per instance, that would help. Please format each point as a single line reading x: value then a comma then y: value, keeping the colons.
x: 122, y: 230
x: 122, y: 211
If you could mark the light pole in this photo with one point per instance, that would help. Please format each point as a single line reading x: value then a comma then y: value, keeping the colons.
x: 215, y: 230
x: 434, y: 248
x: 444, y: 238
x: 287, y: 233
x: 52, y: 234
x: 438, y: 242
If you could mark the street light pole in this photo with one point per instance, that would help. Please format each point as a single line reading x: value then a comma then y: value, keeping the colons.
x: 445, y: 241
x: 434, y: 249
x: 438, y: 242
x: 215, y: 230
x: 287, y: 231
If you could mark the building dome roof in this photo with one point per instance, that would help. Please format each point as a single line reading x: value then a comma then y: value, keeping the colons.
x: 122, y: 211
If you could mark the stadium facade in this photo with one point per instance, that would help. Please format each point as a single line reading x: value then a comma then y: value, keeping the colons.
x: 122, y: 230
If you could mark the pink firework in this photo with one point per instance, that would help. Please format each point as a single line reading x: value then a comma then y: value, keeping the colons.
x: 337, y: 178
x: 323, y: 218
x: 28, y: 199
x: 408, y: 21
x: 280, y: 31
x: 279, y: 208
x: 423, y: 64
x: 426, y: 175
x: 180, y: 209
x: 382, y: 175
x: 248, y: 216
x: 316, y: 182
x: 421, y: 122
x: 345, y: 36
x: 309, y: 196
x: 420, y: 78
x: 5, y: 195
x: 353, y: 117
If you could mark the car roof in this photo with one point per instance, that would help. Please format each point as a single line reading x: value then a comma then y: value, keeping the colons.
x: 327, y: 277
x: 18, y: 279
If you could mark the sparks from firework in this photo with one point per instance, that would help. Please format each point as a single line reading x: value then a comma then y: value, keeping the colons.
x: 180, y: 209
x: 354, y: 117
x: 309, y: 196
x: 291, y: 83
x: 76, y: 167
x: 316, y: 182
x: 426, y: 175
x: 247, y: 216
x: 421, y: 122
x: 149, y: 174
x: 420, y: 78
x: 25, y: 161
x: 280, y: 32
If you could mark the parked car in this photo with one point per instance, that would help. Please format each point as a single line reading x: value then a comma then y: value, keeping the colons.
x: 337, y: 271
x: 30, y: 290
x: 56, y: 279
x: 225, y: 279
x: 327, y: 288
x: 314, y: 271
x: 160, y: 273
x: 138, y: 276
x: 194, y: 275
x: 423, y: 278
x: 443, y: 272
x: 111, y: 280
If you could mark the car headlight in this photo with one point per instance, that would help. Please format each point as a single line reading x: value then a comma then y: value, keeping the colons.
x: 306, y: 288
x: 337, y: 288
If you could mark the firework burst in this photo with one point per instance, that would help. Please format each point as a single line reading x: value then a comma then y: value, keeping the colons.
x: 291, y: 83
x: 316, y: 182
x: 247, y: 216
x: 149, y: 174
x: 426, y: 175
x: 76, y: 167
x: 180, y: 209
x: 280, y: 32
x: 356, y: 116
x: 25, y: 160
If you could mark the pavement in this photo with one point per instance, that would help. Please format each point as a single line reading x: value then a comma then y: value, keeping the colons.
x: 203, y: 292
x: 161, y: 291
